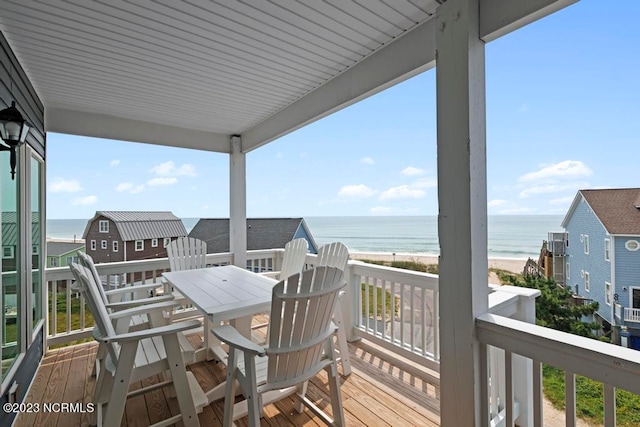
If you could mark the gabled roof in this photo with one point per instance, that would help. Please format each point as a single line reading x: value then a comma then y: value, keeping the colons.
x: 616, y: 208
x: 61, y: 248
x: 140, y: 225
x: 262, y: 233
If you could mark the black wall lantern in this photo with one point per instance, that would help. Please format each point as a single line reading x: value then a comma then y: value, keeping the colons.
x: 13, y: 131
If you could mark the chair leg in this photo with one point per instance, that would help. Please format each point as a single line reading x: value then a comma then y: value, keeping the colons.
x: 254, y: 402
x: 334, y: 390
x: 180, y: 381
x: 342, y: 340
x: 120, y: 385
x: 302, y: 391
x: 230, y: 388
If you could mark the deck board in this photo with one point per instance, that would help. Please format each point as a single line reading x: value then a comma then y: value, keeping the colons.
x: 380, y: 391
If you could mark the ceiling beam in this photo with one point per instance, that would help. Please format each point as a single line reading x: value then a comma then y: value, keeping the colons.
x: 499, y: 17
x: 82, y: 123
x: 407, y: 56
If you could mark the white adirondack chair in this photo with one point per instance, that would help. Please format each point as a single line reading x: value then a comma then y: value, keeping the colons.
x: 295, y: 254
x: 132, y: 356
x: 336, y: 255
x: 185, y: 253
x: 300, y: 345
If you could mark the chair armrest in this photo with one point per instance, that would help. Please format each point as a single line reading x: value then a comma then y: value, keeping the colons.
x: 117, y: 306
x: 271, y: 274
x: 232, y: 337
x: 133, y: 288
x: 172, y: 328
x: 144, y: 309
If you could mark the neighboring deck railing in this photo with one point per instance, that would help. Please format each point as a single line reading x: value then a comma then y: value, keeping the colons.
x: 631, y: 314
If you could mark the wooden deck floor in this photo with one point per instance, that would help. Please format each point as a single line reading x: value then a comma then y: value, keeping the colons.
x: 381, y: 391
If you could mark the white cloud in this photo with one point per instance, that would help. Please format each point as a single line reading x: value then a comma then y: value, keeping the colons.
x: 402, y: 192
x: 412, y: 171
x: 496, y: 203
x: 162, y: 181
x: 367, y: 161
x: 550, y: 189
x: 561, y: 201
x: 170, y: 169
x: 129, y: 187
x: 565, y: 169
x: 60, y: 185
x: 424, y: 183
x: 114, y: 162
x: 85, y: 201
x: 357, y: 190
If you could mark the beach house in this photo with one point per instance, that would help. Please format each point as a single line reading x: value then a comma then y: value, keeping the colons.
x: 602, y: 257
x: 230, y: 77
x: 113, y: 236
x: 61, y: 253
x: 262, y: 233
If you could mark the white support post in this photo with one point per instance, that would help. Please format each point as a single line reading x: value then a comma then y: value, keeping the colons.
x: 462, y: 198
x: 238, y: 203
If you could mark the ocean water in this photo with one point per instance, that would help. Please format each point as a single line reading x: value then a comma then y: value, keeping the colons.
x: 510, y: 236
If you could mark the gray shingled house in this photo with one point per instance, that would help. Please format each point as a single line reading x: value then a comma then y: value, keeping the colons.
x: 262, y: 233
x: 113, y: 236
x: 60, y: 254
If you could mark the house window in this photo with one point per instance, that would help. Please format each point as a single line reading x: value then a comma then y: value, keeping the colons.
x: 587, y: 286
x: 103, y: 226
x: 103, y: 244
x: 607, y: 249
x: 154, y: 243
x: 34, y: 250
x: 607, y: 293
x: 93, y: 245
x: 167, y: 240
x: 71, y: 259
x: 585, y: 241
x: 7, y: 252
x: 568, y: 272
x: 115, y: 246
x: 632, y: 245
x: 139, y: 245
x: 53, y: 262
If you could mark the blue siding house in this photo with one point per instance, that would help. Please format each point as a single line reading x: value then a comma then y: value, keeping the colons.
x: 602, y: 260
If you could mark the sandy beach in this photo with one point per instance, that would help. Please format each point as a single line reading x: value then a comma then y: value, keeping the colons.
x: 512, y: 265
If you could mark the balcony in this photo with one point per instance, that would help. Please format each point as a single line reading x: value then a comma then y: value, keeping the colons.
x: 394, y: 352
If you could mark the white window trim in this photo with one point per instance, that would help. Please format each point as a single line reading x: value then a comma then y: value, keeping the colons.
x: 636, y: 243
x: 587, y: 282
x: 586, y: 244
x: 607, y: 294
x: 93, y: 245
x: 607, y: 249
x: 568, y: 271
x: 631, y: 289
x: 114, y: 246
x: 141, y: 245
x: 103, y: 244
x: 154, y: 243
x: 102, y: 229
x: 11, y: 254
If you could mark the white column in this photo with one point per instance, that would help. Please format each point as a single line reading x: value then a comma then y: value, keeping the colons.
x: 238, y: 203
x: 462, y: 198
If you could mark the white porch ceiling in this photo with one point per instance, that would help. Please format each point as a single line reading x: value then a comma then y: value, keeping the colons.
x: 192, y: 73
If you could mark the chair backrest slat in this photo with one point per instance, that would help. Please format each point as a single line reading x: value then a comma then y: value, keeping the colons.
x: 295, y: 255
x: 187, y: 253
x: 333, y: 254
x: 87, y: 261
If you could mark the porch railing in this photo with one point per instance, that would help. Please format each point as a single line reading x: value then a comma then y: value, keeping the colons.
x: 631, y: 314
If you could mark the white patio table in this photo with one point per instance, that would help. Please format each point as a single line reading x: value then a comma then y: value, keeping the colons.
x: 226, y: 293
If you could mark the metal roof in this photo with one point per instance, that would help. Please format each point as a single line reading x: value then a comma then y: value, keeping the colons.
x: 262, y: 233
x: 60, y: 248
x: 140, y: 225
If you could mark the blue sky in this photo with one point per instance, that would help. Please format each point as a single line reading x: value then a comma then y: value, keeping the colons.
x: 563, y: 114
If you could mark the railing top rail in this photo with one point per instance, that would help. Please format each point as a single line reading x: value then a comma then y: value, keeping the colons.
x: 604, y: 362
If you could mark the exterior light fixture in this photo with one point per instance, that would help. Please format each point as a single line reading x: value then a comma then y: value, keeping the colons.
x: 13, y: 131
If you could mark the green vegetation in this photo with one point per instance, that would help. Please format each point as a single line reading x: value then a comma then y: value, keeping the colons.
x: 406, y: 265
x: 392, y: 305
x: 61, y: 316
